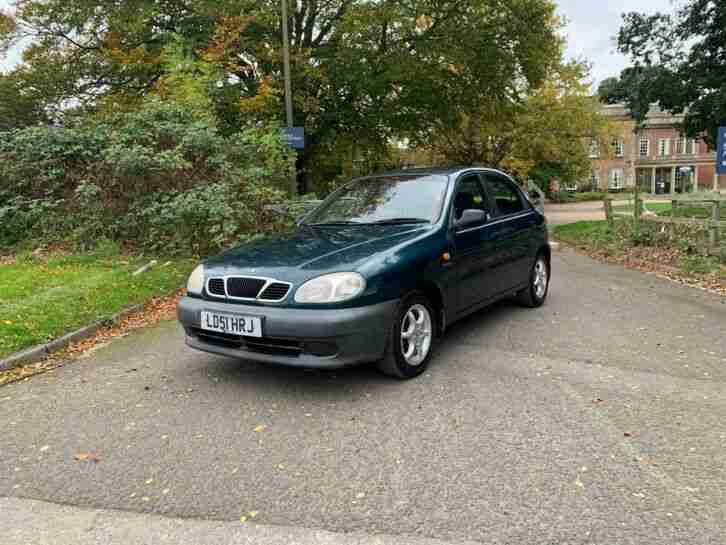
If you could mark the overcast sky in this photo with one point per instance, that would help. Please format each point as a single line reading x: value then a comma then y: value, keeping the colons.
x: 592, y: 26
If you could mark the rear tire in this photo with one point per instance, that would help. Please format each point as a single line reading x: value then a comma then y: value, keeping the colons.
x: 411, y: 339
x: 535, y: 293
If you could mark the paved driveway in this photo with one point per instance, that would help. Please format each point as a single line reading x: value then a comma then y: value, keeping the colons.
x: 559, y: 214
x: 598, y: 419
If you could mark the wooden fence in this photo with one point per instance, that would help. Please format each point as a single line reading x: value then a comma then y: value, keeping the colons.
x: 713, y: 225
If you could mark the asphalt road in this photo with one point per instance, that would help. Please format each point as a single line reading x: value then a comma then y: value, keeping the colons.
x: 598, y: 419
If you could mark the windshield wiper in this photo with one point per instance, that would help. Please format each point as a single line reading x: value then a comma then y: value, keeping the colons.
x: 334, y: 223
x: 394, y: 221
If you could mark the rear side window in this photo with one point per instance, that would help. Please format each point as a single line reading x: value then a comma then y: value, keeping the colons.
x: 505, y: 195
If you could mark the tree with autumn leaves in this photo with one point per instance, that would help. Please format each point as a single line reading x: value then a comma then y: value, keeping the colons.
x: 545, y: 134
x: 478, y: 81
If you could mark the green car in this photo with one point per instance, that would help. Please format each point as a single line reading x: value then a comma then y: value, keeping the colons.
x: 375, y: 273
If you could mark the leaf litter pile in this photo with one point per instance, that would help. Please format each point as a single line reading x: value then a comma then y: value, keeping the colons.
x: 157, y: 310
x: 658, y: 261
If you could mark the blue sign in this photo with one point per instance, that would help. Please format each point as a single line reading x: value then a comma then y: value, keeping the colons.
x: 721, y: 151
x: 295, y: 137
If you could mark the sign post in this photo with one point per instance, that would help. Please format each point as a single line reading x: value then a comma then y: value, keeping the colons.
x: 288, y: 86
x: 295, y: 137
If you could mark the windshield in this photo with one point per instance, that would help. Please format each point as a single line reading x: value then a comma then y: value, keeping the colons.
x: 394, y: 199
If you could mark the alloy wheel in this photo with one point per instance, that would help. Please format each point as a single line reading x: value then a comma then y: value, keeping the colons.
x: 540, y: 278
x: 416, y: 334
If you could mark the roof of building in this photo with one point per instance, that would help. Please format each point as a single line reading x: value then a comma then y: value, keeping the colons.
x: 656, y: 115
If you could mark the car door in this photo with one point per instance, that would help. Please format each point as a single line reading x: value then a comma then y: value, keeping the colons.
x: 472, y: 245
x: 513, y: 225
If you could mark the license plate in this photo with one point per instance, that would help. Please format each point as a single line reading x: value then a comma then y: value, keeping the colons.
x: 234, y: 324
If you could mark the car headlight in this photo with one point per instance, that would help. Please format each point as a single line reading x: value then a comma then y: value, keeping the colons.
x: 195, y: 284
x: 331, y: 288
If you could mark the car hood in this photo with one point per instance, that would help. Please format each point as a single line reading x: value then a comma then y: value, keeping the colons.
x: 311, y: 251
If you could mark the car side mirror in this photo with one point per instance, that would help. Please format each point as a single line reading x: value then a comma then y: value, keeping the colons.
x: 471, y: 217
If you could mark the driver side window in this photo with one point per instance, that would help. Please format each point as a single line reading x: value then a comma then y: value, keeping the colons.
x: 469, y: 196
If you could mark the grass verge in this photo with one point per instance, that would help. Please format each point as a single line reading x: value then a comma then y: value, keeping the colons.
x: 666, y: 209
x: 42, y: 298
x: 582, y: 232
x: 651, y: 245
x: 660, y: 208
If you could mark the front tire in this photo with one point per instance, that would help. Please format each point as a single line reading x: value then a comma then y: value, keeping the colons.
x: 535, y: 293
x: 411, y: 339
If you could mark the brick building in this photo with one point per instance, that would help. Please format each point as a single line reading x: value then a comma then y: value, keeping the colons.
x: 656, y: 156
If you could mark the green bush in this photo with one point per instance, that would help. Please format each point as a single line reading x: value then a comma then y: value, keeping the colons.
x: 563, y: 197
x: 589, y: 196
x: 158, y: 178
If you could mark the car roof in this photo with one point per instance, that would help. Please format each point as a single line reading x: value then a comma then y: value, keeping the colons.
x: 433, y: 171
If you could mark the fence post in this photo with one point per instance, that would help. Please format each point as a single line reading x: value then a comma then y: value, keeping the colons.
x: 637, y: 207
x: 608, y: 204
x: 637, y: 211
x: 674, y: 210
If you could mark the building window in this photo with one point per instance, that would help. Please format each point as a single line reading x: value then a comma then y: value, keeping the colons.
x: 681, y: 145
x: 644, y: 147
x: 594, y: 149
x: 664, y: 147
x: 616, y: 178
x: 686, y: 146
x: 594, y: 180
x: 619, y: 148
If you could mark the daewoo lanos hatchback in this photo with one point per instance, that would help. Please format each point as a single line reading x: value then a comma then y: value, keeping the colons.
x: 376, y: 273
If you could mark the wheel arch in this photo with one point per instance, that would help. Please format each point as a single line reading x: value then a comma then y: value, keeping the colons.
x: 547, y: 251
x: 434, y: 294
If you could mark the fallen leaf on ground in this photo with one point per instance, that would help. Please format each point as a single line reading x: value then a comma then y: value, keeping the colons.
x: 260, y: 428
x: 663, y: 262
x: 87, y: 457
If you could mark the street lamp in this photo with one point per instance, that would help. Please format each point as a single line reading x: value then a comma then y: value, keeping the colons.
x: 286, y: 65
x: 288, y: 85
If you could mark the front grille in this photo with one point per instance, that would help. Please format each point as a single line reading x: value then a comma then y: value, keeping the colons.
x: 216, y: 286
x: 276, y: 291
x: 243, y: 287
x: 247, y: 287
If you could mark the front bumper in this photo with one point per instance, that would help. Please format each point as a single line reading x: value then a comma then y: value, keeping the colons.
x: 323, y: 338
